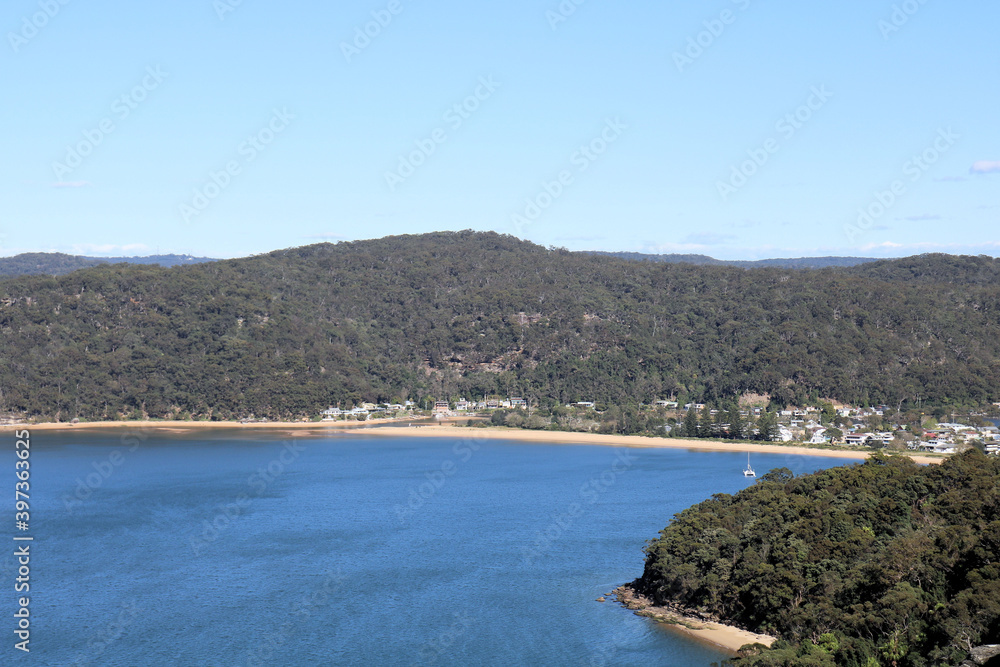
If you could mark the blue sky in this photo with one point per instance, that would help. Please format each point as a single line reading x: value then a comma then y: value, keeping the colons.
x: 741, y: 129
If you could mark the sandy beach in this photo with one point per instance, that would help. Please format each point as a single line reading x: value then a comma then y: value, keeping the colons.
x: 726, y: 636
x: 567, y: 438
x: 453, y: 429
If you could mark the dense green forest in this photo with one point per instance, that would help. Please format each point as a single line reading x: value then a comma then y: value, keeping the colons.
x: 880, y: 563
x: 443, y: 315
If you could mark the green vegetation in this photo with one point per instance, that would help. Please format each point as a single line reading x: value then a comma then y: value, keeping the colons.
x: 44, y: 263
x: 446, y: 315
x: 57, y: 263
x: 639, y: 421
x: 881, y: 563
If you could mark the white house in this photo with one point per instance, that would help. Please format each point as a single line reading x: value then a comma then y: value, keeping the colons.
x: 332, y: 413
x: 819, y: 437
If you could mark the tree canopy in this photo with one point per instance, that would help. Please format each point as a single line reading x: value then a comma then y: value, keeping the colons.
x: 880, y: 563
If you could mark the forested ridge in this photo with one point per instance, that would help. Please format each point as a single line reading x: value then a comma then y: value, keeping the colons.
x: 469, y: 314
x: 57, y: 263
x: 793, y: 263
x: 880, y: 563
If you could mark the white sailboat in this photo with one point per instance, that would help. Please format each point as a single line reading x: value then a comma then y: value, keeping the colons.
x: 749, y: 471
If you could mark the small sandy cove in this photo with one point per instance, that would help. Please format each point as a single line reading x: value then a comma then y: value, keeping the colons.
x: 453, y: 429
x: 726, y: 636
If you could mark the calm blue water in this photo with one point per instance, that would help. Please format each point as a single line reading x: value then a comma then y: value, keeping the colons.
x: 350, y: 550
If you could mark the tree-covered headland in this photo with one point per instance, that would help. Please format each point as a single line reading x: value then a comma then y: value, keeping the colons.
x: 884, y: 563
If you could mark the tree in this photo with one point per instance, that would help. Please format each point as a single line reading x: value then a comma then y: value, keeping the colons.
x: 780, y: 475
x: 691, y: 424
x: 706, y: 423
x: 737, y: 428
x: 767, y: 427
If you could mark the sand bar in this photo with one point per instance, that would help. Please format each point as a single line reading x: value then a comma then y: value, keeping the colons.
x: 452, y: 429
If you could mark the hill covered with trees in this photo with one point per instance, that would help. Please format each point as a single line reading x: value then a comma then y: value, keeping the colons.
x: 880, y: 563
x: 469, y: 314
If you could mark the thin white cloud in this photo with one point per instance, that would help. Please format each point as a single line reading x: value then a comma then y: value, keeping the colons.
x: 108, y: 249
x: 72, y: 184
x: 985, y: 167
x: 919, y: 218
x: 671, y: 248
x: 930, y: 246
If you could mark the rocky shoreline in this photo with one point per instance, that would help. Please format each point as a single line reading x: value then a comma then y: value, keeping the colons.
x: 689, y: 621
x: 708, y: 627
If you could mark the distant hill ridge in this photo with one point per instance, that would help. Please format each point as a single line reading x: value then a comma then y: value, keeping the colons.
x: 783, y: 263
x: 58, y: 264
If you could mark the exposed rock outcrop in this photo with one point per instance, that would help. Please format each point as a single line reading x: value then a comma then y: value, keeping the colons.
x: 983, y: 656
